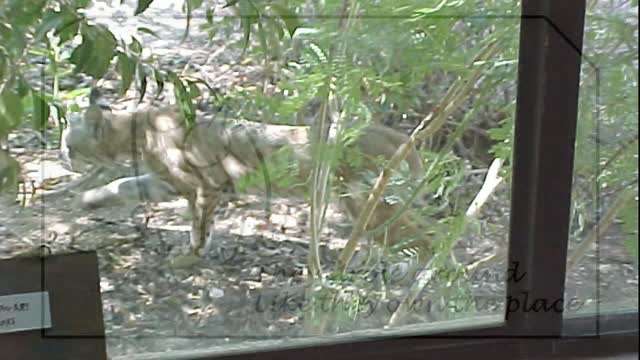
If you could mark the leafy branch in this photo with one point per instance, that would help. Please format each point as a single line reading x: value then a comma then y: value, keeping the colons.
x: 454, y: 97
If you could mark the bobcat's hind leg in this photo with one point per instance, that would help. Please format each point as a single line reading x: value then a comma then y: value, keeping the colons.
x: 202, y: 207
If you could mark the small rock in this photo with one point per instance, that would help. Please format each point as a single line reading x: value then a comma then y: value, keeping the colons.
x: 216, y: 293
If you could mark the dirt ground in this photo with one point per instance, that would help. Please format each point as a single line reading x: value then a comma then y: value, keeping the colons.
x: 241, y: 295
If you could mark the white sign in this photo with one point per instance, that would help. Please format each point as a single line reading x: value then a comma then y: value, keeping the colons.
x: 21, y: 312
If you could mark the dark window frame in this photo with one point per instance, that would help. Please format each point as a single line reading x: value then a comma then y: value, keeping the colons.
x: 551, y: 36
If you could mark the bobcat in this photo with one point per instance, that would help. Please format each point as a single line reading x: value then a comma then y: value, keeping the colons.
x: 199, y: 162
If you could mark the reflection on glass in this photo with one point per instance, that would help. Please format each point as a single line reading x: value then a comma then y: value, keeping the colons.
x: 438, y: 234
x: 603, y: 254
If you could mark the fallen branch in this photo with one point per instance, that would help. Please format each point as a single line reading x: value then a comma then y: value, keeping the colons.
x: 491, y: 182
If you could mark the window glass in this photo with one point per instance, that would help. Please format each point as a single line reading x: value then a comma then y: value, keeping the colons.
x: 377, y: 71
x: 602, y: 266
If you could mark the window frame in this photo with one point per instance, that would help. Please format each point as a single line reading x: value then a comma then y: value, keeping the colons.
x: 551, y: 36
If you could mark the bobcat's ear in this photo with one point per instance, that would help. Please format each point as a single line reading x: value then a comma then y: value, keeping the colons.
x: 96, y: 99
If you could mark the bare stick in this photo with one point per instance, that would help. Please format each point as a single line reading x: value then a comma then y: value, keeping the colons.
x: 491, y: 182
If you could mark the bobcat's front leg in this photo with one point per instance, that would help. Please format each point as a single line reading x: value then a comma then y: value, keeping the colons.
x: 202, y: 205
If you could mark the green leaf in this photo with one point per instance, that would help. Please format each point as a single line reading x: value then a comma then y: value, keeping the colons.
x: 80, y: 55
x: 289, y: 17
x: 426, y: 11
x: 75, y: 93
x: 22, y: 88
x: 78, y: 4
x: 51, y: 20
x: 5, y: 32
x: 320, y: 55
x: 26, y: 12
x: 5, y: 125
x: 11, y: 107
x: 142, y: 81
x: 3, y: 63
x: 64, y: 22
x: 275, y: 32
x: 190, y: 5
x: 183, y: 99
x: 93, y: 56
x: 148, y: 31
x: 209, y: 15
x: 247, y: 16
x: 61, y: 113
x: 13, y: 38
x: 194, y: 92
x: 157, y: 77
x: 126, y: 68
x: 135, y: 46
x: 262, y: 37
x: 142, y: 6
x: 9, y: 170
x: 40, y: 111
